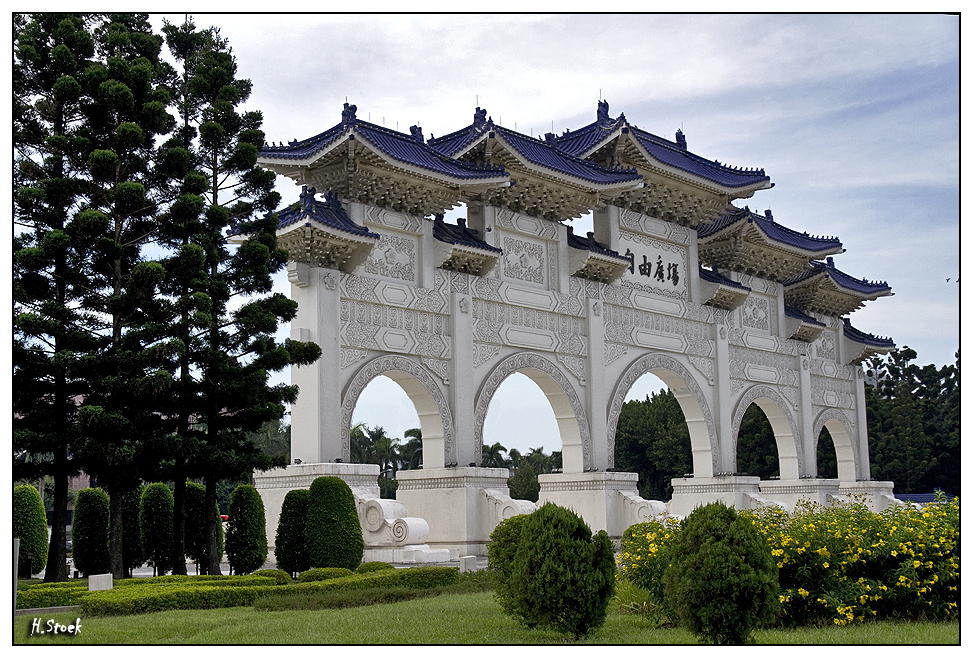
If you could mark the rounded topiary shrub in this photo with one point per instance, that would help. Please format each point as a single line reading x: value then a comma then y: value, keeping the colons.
x: 562, y: 577
x: 333, y: 532
x: 501, y: 552
x: 246, y: 535
x: 89, y: 530
x: 290, y: 543
x: 30, y: 525
x: 324, y: 573
x: 723, y: 580
x: 133, y: 553
x: 282, y: 577
x: 155, y: 523
x: 371, y: 567
x: 195, y: 532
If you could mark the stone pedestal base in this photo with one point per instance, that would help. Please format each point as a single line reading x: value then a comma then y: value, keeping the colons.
x: 605, y: 500
x: 877, y: 495
x: 462, y: 505
x: 417, y: 554
x: 739, y: 491
x: 788, y: 492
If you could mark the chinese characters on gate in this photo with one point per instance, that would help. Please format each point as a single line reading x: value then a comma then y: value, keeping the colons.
x: 662, y: 271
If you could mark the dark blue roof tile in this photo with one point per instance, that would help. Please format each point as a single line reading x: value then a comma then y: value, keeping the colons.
x: 590, y: 244
x: 772, y: 231
x: 714, y: 276
x: 794, y: 312
x: 866, y: 339
x: 850, y: 283
x: 459, y: 234
x: 328, y: 212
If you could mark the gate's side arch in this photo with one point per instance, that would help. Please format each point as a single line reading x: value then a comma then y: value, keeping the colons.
x: 572, y: 421
x: 786, y: 434
x: 435, y: 418
x: 841, y: 434
x: 702, y: 430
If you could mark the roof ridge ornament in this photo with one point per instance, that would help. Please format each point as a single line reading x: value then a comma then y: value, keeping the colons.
x: 417, y: 134
x: 681, y: 139
x: 307, y: 198
x: 348, y: 114
x: 603, y: 112
x: 479, y: 118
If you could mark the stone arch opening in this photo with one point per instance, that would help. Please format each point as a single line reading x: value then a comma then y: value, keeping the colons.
x: 841, y: 435
x: 699, y: 419
x: 568, y: 409
x: 786, y: 435
x: 520, y: 418
x: 419, y: 384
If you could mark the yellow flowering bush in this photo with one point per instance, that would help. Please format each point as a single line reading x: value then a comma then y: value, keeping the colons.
x: 838, y: 564
x: 844, y: 563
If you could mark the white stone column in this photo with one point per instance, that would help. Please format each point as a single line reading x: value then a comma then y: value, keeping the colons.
x: 723, y: 404
x: 605, y: 222
x: 864, y: 464
x: 316, y: 416
x: 462, y: 388
x: 596, y: 388
x: 806, y: 417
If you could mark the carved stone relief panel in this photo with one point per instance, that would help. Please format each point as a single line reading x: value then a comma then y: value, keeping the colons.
x: 825, y: 345
x: 394, y: 257
x: 524, y: 260
x: 755, y: 313
x: 657, y: 265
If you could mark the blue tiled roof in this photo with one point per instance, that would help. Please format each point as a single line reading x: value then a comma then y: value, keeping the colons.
x: 793, y: 312
x: 590, y: 244
x: 772, y: 231
x: 460, y: 235
x: 407, y: 149
x: 850, y: 283
x: 866, y: 339
x: 328, y: 212
x: 714, y: 276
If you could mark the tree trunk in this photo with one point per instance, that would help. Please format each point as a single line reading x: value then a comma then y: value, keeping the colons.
x: 56, y: 569
x: 116, y: 555
x: 179, y: 526
x: 212, y: 558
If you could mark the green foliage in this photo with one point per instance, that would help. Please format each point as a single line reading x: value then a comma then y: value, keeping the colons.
x: 195, y: 529
x: 290, y: 543
x: 501, y: 552
x: 246, y: 537
x: 333, y: 532
x: 155, y: 522
x: 652, y: 439
x: 138, y: 600
x: 90, y: 532
x: 52, y: 595
x: 371, y: 567
x: 523, y: 485
x: 282, y: 577
x: 133, y: 553
x: 30, y: 525
x: 562, y: 577
x: 723, y: 580
x: 756, y: 445
x: 323, y: 573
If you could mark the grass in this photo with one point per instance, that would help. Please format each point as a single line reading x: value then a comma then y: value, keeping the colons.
x: 449, y: 619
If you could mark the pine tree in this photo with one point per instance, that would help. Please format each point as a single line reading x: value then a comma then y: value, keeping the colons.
x: 226, y: 350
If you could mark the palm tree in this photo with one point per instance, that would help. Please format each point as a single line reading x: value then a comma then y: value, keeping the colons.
x: 361, y: 445
x: 515, y: 457
x: 493, y: 456
x: 540, y: 462
x: 410, y: 454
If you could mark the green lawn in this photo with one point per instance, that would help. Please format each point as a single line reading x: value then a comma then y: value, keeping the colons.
x: 450, y: 619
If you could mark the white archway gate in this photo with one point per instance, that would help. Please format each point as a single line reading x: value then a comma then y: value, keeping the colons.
x: 449, y: 311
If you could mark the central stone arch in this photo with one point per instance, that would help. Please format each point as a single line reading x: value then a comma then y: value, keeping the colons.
x: 435, y: 419
x: 786, y: 434
x: 702, y: 430
x: 568, y: 409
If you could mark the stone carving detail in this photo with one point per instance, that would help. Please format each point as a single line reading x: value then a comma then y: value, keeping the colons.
x: 489, y: 318
x: 483, y: 352
x: 791, y: 394
x: 464, y: 305
x: 523, y: 260
x: 638, y: 368
x: 380, y: 366
x: 439, y: 367
x: 396, y: 220
x: 330, y: 281
x: 394, y: 257
x: 826, y: 345
x: 756, y: 314
x: 741, y: 357
x: 488, y: 289
x: 620, y: 322
x: 575, y: 365
x: 459, y: 282
x: 351, y: 357
x: 756, y: 393
x: 542, y: 228
x: 833, y: 392
x: 704, y: 366
x: 514, y: 364
x: 596, y: 308
x: 614, y: 351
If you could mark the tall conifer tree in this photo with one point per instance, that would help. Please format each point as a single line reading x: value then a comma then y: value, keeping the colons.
x: 226, y: 331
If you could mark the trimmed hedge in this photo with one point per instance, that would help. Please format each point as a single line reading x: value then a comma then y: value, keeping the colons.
x: 333, y: 532
x: 133, y: 555
x: 51, y: 595
x: 246, y: 535
x: 370, y: 567
x: 501, y: 552
x: 196, y: 524
x: 30, y: 525
x: 323, y: 573
x: 90, y: 531
x: 290, y: 542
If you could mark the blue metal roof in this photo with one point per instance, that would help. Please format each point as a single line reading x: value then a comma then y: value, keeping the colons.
x: 329, y: 213
x: 773, y: 231
x: 714, y: 276
x: 794, y: 312
x: 840, y: 279
x: 590, y: 244
x: 459, y: 234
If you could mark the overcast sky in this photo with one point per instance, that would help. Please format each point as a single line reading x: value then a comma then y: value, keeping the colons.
x: 855, y: 118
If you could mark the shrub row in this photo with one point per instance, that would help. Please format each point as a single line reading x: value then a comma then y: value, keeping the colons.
x: 179, y: 592
x: 30, y: 525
